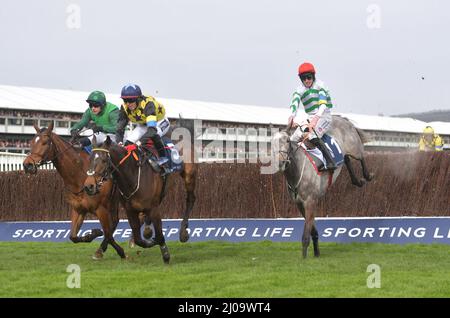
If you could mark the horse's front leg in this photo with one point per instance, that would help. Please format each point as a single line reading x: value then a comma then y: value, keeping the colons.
x: 148, y: 233
x: 135, y: 224
x: 108, y: 229
x: 160, y: 240
x: 306, y: 229
x: 77, y: 220
x: 315, y: 238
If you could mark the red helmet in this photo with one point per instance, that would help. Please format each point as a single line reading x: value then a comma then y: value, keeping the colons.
x: 306, y: 68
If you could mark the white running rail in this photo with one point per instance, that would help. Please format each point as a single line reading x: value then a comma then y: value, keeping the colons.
x: 14, y: 162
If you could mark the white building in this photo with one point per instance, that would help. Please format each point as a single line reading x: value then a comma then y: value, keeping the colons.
x: 21, y: 107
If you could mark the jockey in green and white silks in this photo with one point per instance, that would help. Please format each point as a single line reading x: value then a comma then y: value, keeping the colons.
x: 315, y: 118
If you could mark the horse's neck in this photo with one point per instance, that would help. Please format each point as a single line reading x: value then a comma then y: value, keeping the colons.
x: 117, y: 154
x: 128, y: 175
x: 302, y: 172
x: 69, y: 164
x: 300, y: 167
x: 297, y: 166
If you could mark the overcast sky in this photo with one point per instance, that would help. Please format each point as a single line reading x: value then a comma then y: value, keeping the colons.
x: 387, y: 57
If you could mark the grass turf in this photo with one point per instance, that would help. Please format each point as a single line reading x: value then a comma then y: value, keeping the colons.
x: 219, y: 269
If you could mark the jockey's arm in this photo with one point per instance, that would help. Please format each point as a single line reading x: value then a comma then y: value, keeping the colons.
x: 150, y: 114
x: 294, y: 108
x: 314, y: 119
x: 295, y: 102
x: 121, y: 124
x: 83, y: 122
x: 322, y: 103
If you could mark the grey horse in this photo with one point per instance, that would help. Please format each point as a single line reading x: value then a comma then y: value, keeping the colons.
x: 305, y: 184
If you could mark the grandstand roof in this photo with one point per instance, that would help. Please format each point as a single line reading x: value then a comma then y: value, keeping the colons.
x: 56, y: 100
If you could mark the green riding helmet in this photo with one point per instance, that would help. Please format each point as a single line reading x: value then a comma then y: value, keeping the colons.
x: 97, y: 97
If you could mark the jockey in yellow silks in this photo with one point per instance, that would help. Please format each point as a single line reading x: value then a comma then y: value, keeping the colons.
x: 150, y: 117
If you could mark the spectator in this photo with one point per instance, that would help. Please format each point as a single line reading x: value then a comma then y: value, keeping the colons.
x: 430, y: 141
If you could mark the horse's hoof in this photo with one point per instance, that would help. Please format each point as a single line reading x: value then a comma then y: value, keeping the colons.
x: 361, y: 182
x: 97, y: 256
x: 131, y: 244
x: 97, y: 232
x: 304, y: 254
x: 148, y: 233
x: 184, y: 236
x: 166, y: 259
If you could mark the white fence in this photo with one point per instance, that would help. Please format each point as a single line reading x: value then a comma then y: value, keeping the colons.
x: 14, y: 162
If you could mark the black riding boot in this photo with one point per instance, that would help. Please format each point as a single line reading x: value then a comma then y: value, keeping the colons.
x: 331, y: 165
x: 86, y: 144
x: 162, y: 153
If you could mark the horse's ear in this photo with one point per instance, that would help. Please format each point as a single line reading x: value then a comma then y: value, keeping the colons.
x: 50, y: 127
x: 36, y: 127
x: 94, y: 141
x: 107, y: 142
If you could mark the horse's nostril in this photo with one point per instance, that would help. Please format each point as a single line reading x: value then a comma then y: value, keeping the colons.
x: 90, y: 189
x: 28, y: 167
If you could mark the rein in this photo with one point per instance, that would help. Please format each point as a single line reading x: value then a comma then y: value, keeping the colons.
x: 106, y: 173
x: 291, y: 152
x: 46, y: 160
x: 112, y: 167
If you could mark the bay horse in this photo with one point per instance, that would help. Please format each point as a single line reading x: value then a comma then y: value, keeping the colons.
x: 142, y: 190
x: 306, y: 184
x: 71, y: 164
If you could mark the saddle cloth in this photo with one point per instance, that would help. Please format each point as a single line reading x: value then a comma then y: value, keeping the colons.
x: 175, y: 162
x: 333, y: 147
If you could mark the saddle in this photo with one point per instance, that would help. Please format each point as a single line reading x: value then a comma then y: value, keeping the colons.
x: 148, y: 153
x: 316, y: 155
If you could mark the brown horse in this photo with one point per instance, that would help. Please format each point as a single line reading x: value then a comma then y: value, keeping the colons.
x: 71, y: 165
x: 142, y: 190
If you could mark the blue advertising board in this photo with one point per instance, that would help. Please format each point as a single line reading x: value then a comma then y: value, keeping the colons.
x: 343, y: 230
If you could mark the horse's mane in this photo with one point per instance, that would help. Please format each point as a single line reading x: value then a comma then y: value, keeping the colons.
x: 58, y: 138
x: 117, y: 149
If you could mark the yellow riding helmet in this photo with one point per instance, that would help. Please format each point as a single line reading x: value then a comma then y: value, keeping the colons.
x: 428, y: 130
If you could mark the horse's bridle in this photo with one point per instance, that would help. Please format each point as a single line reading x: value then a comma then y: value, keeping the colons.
x: 45, y: 159
x: 106, y: 173
x: 286, y: 156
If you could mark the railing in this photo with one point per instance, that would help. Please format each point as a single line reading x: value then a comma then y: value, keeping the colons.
x: 14, y: 162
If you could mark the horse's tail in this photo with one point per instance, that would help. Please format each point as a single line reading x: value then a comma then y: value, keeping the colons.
x: 362, y: 135
x: 188, y: 124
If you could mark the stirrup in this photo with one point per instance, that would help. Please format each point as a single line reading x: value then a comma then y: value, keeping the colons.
x: 327, y: 167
